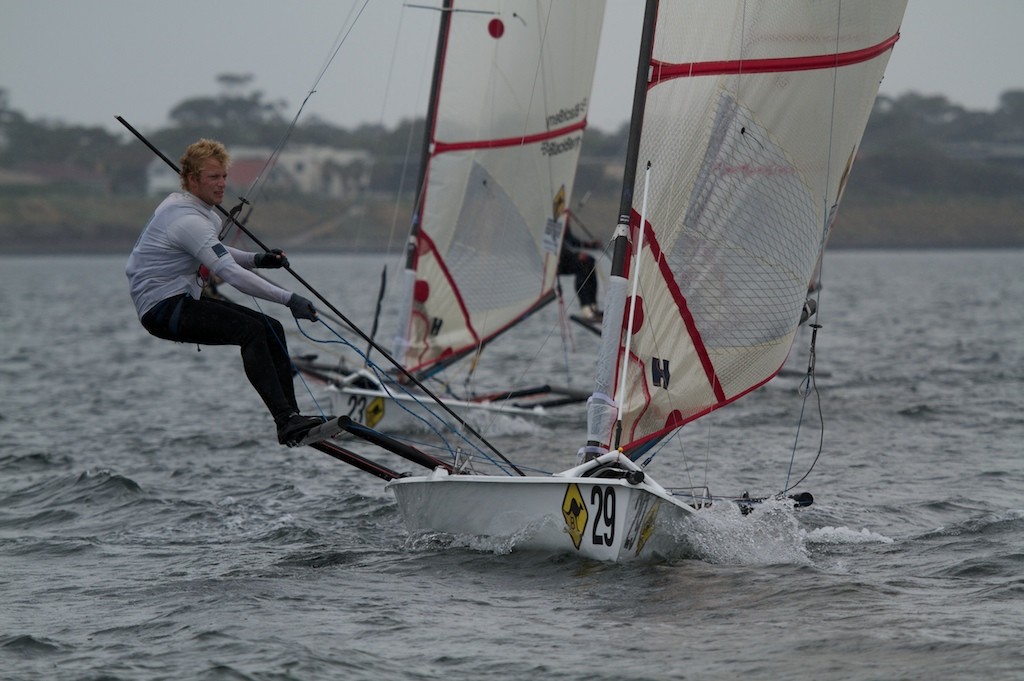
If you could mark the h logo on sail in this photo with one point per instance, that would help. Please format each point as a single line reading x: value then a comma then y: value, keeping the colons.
x: 660, y: 374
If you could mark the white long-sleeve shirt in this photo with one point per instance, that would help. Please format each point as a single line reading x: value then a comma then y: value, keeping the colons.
x: 181, y: 236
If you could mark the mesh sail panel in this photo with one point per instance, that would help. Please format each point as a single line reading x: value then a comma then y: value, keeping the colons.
x: 753, y: 116
x: 493, y: 257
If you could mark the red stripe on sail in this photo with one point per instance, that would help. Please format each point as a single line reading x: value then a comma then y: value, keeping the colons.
x: 476, y: 339
x: 425, y: 240
x: 443, y: 147
x: 651, y: 241
x: 663, y: 71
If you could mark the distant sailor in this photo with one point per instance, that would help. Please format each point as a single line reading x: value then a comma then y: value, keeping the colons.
x: 574, y: 260
x: 165, y: 285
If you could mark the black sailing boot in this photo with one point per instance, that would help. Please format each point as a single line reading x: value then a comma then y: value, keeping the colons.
x: 293, y: 427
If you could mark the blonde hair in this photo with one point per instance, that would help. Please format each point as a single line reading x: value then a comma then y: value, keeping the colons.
x: 196, y: 154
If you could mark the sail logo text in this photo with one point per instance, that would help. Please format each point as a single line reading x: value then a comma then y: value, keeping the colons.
x: 556, y: 148
x: 568, y: 113
x: 660, y: 374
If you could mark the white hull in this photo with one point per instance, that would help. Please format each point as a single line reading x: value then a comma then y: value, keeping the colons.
x: 606, y: 519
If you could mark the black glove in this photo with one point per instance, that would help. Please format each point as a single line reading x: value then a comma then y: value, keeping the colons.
x: 301, y: 308
x: 271, y: 259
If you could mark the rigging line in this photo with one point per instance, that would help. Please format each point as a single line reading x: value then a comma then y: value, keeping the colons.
x: 380, y: 300
x: 410, y: 138
x: 226, y: 224
x: 578, y: 222
x: 284, y: 347
x: 821, y: 443
x: 384, y: 381
x: 396, y: 206
x: 562, y: 324
x: 542, y: 35
x: 269, y: 280
x: 819, y: 272
x: 343, y: 341
x: 542, y: 29
x: 384, y: 353
x: 826, y: 210
x: 568, y: 343
x: 452, y: 10
x: 565, y: 333
x: 740, y: 81
x: 339, y: 41
x: 811, y: 385
x: 621, y: 393
x: 828, y: 213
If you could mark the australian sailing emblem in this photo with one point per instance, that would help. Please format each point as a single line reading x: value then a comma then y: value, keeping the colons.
x: 574, y: 510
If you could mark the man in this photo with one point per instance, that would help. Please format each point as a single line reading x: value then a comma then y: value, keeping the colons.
x: 165, y: 283
x: 573, y: 260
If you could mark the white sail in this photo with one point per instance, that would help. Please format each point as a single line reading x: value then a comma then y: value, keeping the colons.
x: 753, y: 114
x: 509, y: 107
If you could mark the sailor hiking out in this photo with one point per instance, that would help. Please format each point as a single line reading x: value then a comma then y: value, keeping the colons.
x: 178, y: 250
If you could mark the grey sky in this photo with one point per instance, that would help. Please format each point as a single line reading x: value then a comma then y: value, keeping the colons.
x: 85, y: 61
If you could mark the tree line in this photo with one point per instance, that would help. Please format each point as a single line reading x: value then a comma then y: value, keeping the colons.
x: 930, y: 173
x: 913, y: 143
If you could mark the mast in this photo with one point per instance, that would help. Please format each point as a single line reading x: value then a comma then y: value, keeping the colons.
x: 409, y: 273
x: 601, y: 408
x: 429, y: 125
x: 636, y: 122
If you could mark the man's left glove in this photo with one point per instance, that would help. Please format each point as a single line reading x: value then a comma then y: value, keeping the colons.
x: 301, y: 308
x: 272, y: 259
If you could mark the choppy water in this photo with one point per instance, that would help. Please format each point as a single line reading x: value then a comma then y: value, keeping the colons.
x: 151, y: 528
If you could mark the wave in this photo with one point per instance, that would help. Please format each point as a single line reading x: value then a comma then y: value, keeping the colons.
x: 93, y: 486
x: 15, y: 464
x: 998, y: 522
x: 26, y: 645
x: 834, y: 536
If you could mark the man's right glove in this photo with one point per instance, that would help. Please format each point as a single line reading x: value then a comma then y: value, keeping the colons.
x: 271, y: 259
x: 301, y: 308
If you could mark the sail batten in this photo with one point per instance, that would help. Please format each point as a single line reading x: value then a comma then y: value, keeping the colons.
x: 665, y: 71
x: 441, y: 147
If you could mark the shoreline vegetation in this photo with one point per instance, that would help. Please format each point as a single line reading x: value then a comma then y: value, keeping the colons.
x: 930, y: 174
x: 84, y: 224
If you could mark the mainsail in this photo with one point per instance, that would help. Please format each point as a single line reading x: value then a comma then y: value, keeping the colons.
x: 749, y: 114
x: 508, y: 108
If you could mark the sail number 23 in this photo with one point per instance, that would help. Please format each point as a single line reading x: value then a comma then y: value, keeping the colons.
x: 366, y: 410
